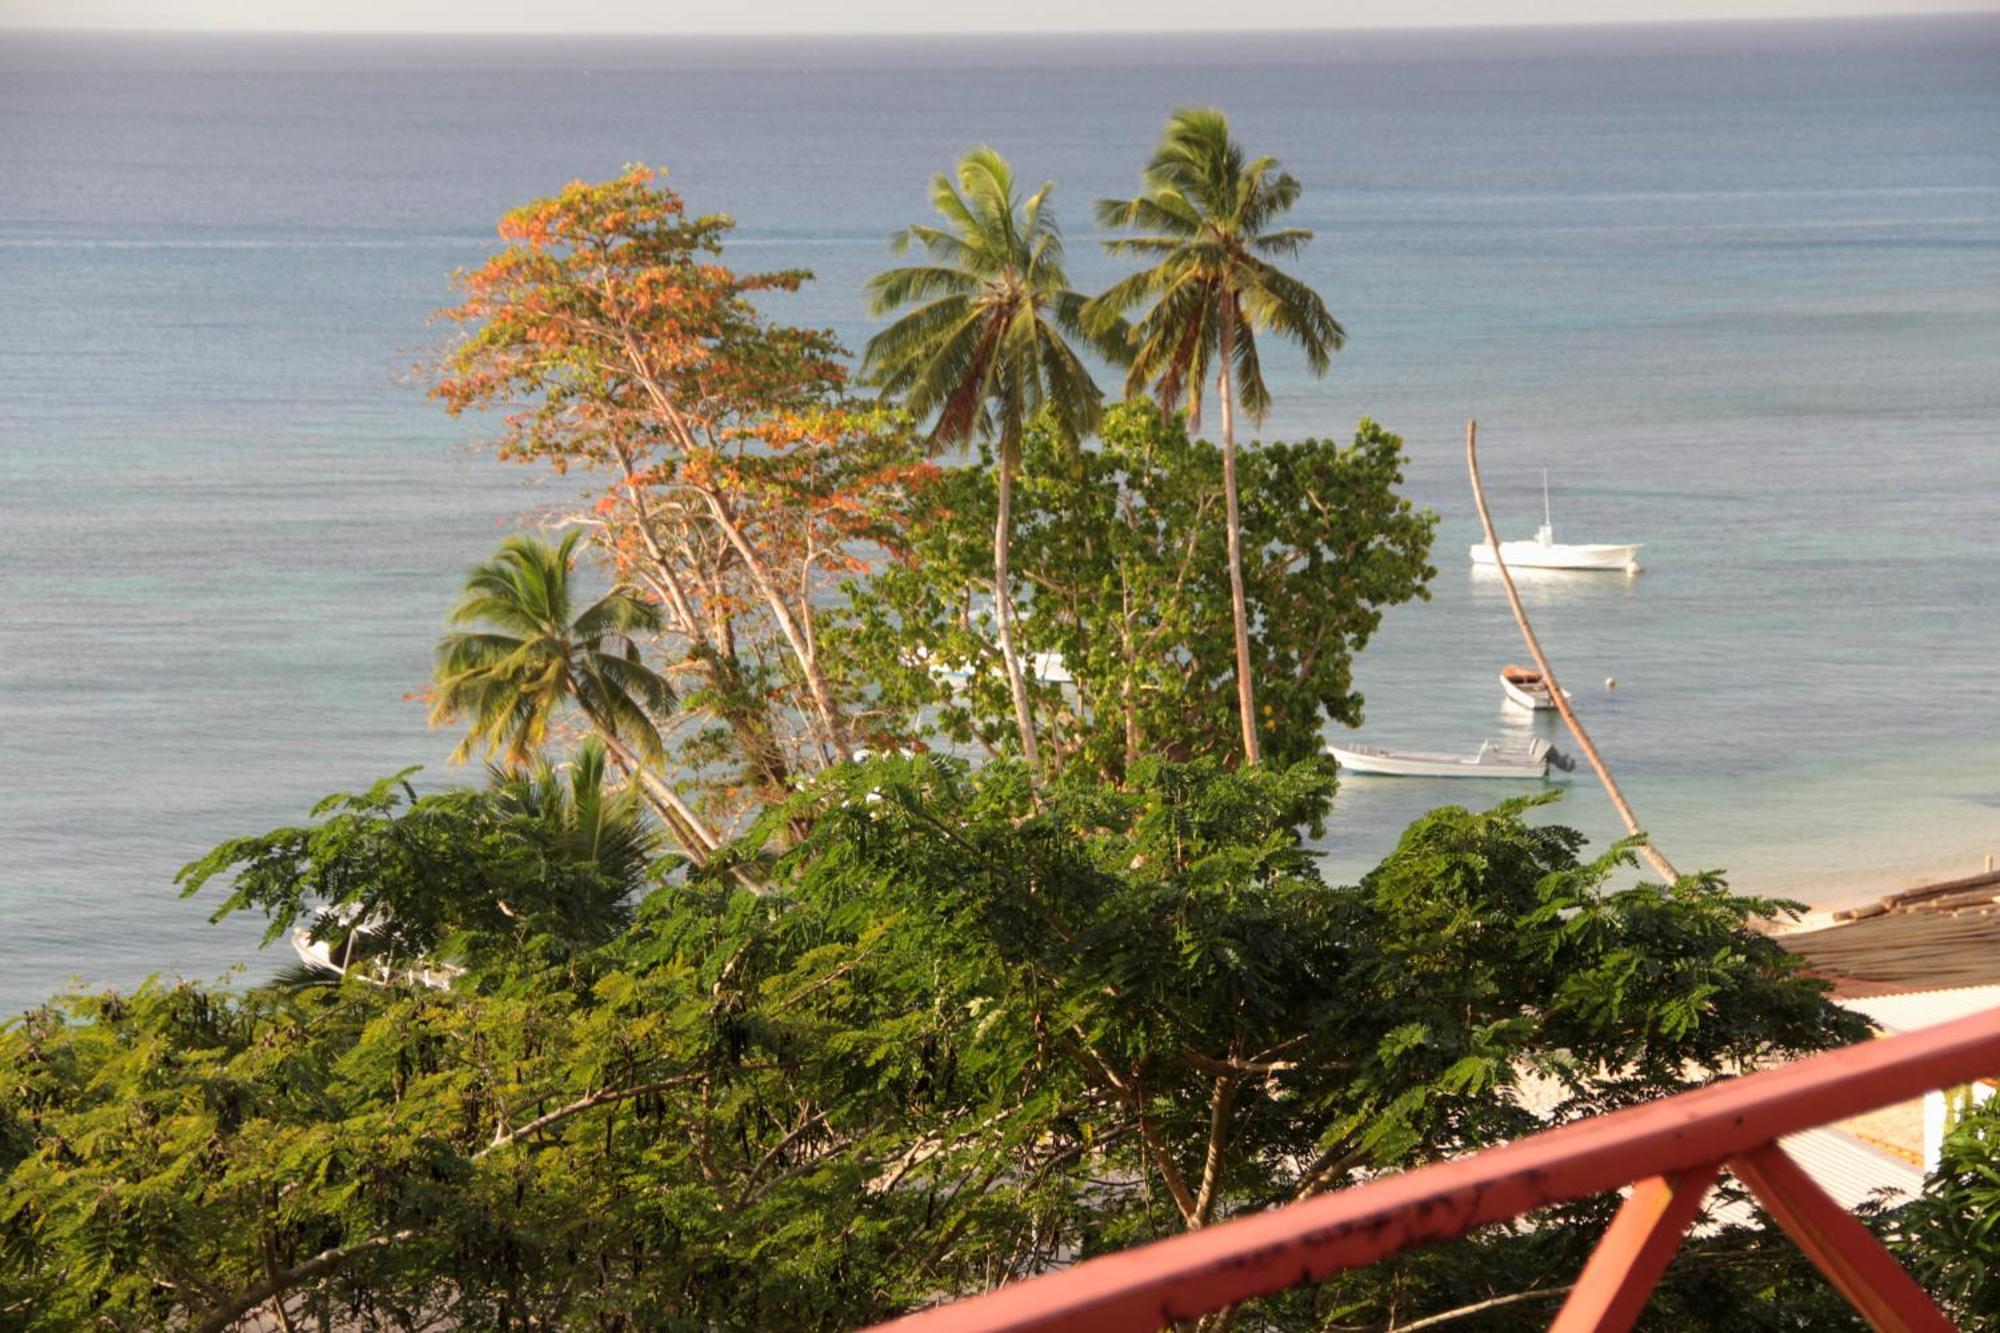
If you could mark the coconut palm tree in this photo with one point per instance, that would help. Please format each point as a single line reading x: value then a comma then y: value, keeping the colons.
x: 527, y: 655
x: 984, y: 346
x: 1204, y: 224
x: 598, y: 849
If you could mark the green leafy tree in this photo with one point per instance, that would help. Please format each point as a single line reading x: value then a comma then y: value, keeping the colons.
x: 985, y: 349
x: 976, y: 1032
x: 545, y: 858
x: 1128, y: 568
x: 1205, y: 227
x: 1950, y: 1236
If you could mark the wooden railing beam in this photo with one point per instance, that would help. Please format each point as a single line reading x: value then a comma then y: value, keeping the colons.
x: 1217, y: 1266
x: 1634, y: 1250
x: 1853, y: 1260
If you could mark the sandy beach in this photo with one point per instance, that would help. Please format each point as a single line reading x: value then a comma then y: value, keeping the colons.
x: 1829, y: 891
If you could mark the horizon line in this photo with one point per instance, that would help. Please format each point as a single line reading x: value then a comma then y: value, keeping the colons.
x: 1976, y: 9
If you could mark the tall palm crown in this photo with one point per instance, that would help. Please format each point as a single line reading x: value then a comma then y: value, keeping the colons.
x: 1204, y: 221
x: 984, y: 347
x: 529, y: 655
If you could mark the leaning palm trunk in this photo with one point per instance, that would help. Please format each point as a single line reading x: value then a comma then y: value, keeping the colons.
x: 687, y: 827
x: 1653, y: 854
x: 1003, y: 609
x: 1239, y: 609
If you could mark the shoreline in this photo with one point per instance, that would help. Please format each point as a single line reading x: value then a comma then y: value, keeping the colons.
x: 1838, y: 890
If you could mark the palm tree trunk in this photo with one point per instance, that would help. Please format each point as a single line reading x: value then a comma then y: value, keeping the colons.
x: 1003, y: 602
x: 1239, y: 609
x: 681, y: 820
x: 1652, y: 853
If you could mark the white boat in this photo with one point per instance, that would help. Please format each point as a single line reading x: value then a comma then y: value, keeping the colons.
x: 356, y: 949
x: 1545, y: 552
x: 1525, y: 686
x: 1044, y: 668
x: 1491, y: 761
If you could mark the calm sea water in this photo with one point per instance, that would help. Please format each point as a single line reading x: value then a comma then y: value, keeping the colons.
x: 1737, y: 288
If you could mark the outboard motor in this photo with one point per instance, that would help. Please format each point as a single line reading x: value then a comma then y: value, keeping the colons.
x: 1561, y: 760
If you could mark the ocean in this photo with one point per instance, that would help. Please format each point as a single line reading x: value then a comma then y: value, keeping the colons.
x: 1736, y: 287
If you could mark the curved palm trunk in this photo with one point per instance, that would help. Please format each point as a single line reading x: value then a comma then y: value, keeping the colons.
x: 1239, y: 609
x: 687, y: 827
x: 1652, y: 853
x: 1003, y: 605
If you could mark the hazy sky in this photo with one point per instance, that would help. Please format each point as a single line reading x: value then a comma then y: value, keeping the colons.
x: 791, y: 16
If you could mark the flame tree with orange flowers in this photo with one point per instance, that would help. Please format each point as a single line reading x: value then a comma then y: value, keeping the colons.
x: 740, y: 478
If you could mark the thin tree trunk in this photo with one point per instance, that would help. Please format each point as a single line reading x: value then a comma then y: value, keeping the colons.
x: 816, y: 682
x: 751, y: 734
x: 221, y: 1316
x: 760, y: 575
x: 1127, y: 694
x: 1003, y: 603
x: 1652, y: 853
x: 1239, y: 610
x: 687, y: 827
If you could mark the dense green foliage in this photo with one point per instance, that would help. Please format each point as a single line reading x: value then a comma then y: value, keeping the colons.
x: 543, y: 859
x: 1947, y: 1237
x: 1125, y: 562
x: 973, y: 1032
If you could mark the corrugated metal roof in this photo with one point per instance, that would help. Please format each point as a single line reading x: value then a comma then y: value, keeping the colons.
x: 1921, y: 1009
x: 1851, y: 1171
x: 1902, y: 952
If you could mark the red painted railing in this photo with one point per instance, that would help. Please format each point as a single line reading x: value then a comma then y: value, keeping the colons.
x: 1670, y: 1151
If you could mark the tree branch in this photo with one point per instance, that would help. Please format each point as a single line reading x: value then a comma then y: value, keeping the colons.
x: 1465, y: 1311
x: 1220, y: 1100
x: 604, y: 1097
x: 1561, y: 700
x: 219, y: 1317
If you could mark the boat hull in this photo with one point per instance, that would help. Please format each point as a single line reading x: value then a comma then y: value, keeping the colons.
x: 1559, y: 555
x: 1416, y: 764
x: 1535, y: 697
x: 318, y: 956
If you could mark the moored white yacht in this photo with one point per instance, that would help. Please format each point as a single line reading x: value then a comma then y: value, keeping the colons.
x: 1545, y: 552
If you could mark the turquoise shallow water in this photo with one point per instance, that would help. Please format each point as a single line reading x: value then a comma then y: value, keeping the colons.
x: 1738, y: 288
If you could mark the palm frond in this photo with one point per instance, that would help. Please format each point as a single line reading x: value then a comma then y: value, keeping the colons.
x: 1247, y: 374
x: 1285, y: 242
x: 1201, y: 225
x: 898, y: 287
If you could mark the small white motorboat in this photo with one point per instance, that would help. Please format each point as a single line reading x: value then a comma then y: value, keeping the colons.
x: 1492, y: 760
x: 1524, y: 686
x: 355, y: 948
x: 1043, y: 668
x: 1545, y: 552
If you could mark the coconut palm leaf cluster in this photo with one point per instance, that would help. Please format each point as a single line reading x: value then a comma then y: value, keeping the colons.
x: 984, y: 340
